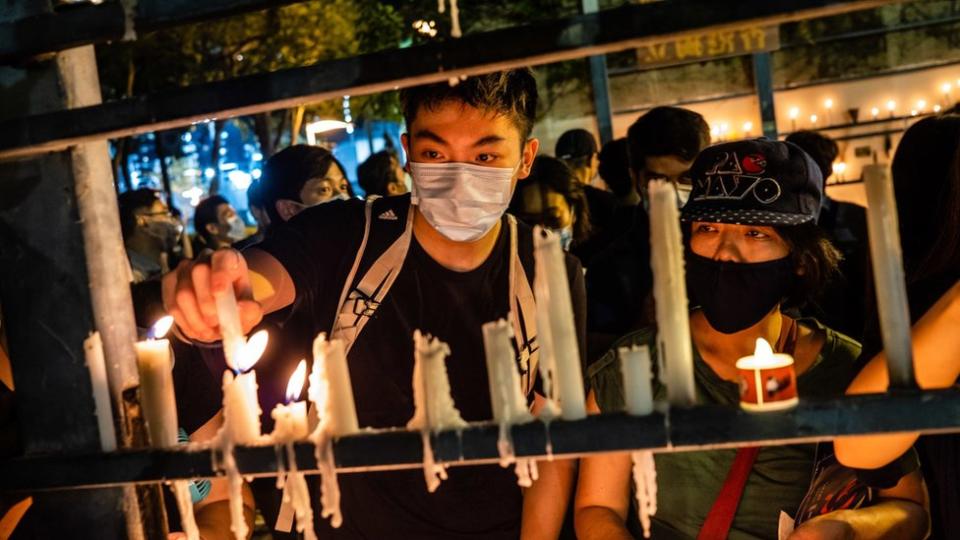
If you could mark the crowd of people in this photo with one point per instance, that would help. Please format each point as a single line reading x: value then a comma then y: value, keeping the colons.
x: 443, y: 243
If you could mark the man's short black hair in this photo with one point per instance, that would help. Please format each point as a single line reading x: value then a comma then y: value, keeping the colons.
x: 821, y: 148
x: 377, y: 172
x: 205, y: 214
x: 285, y: 173
x: 667, y: 131
x: 511, y: 93
x: 131, y: 201
x: 614, y: 167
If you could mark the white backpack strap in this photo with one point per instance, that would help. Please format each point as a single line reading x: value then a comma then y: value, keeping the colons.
x: 523, y: 314
x: 367, y: 214
x: 358, y: 304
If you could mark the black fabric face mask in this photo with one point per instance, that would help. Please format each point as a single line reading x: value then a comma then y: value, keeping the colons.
x: 735, y: 296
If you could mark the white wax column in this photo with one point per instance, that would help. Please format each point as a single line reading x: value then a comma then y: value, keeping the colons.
x: 555, y: 315
x: 290, y: 422
x: 241, y: 409
x: 506, y: 396
x: 330, y: 387
x: 637, y: 388
x: 670, y: 293
x: 93, y: 353
x: 228, y: 314
x: 435, y: 409
x: 156, y: 391
x: 887, y: 257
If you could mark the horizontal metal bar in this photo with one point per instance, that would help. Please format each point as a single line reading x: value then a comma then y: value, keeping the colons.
x: 99, y: 23
x: 596, y: 33
x: 701, y: 427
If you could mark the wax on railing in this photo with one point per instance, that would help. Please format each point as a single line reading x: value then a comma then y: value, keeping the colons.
x: 434, y: 407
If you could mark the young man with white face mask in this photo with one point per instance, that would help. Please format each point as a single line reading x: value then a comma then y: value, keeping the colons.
x: 444, y: 259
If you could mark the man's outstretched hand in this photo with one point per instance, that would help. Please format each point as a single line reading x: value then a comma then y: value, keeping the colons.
x: 188, y: 293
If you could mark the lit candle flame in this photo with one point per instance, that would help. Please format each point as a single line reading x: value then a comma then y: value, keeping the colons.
x: 763, y: 353
x: 295, y: 386
x: 251, y: 351
x: 160, y: 328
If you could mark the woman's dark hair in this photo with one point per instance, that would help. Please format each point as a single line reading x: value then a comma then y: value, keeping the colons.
x: 926, y: 180
x: 549, y: 173
x: 285, y: 173
x: 821, y: 148
x: 814, y: 256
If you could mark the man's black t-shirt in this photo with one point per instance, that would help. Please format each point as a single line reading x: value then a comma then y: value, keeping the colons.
x: 318, y: 248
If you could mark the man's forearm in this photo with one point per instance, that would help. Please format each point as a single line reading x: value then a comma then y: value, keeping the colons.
x: 213, y: 521
x: 545, y: 503
x: 600, y: 522
x: 888, y: 520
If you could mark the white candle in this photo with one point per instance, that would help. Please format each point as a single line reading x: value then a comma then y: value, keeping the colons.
x: 891, y: 289
x: 228, y: 314
x: 241, y: 421
x: 637, y: 388
x: 290, y: 419
x: 331, y: 389
x: 559, y: 349
x: 93, y: 353
x: 155, y: 365
x: 290, y: 425
x: 670, y: 293
x: 241, y: 408
x: 181, y: 492
x: 434, y: 406
x: 506, y: 397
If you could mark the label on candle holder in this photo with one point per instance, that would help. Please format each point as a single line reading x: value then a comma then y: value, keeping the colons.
x: 767, y: 381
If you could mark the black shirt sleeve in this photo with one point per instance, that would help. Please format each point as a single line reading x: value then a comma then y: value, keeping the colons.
x: 890, y: 474
x: 314, y: 247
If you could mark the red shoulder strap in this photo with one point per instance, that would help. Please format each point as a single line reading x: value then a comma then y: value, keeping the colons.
x: 720, y: 518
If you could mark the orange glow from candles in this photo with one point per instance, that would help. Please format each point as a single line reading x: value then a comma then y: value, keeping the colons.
x: 763, y: 352
x: 160, y: 328
x: 251, y: 351
x: 295, y: 386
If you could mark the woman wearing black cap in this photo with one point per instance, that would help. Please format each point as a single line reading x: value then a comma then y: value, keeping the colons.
x: 753, y: 250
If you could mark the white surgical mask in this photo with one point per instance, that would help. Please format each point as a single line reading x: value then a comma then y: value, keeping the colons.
x: 462, y: 201
x: 238, y: 229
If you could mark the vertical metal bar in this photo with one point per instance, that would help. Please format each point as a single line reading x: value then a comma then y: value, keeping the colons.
x: 763, y: 83
x: 600, y: 84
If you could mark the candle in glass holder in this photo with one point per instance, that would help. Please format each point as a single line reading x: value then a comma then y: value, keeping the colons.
x: 768, y: 381
x: 155, y: 365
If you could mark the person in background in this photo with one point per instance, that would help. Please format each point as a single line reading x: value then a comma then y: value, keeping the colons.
x: 841, y: 306
x: 217, y: 223
x: 578, y: 149
x: 746, y: 258
x: 926, y: 181
x: 553, y: 198
x: 614, y: 168
x: 661, y: 145
x: 297, y: 178
x: 458, y: 261
x: 259, y: 213
x: 150, y: 232
x: 381, y: 175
